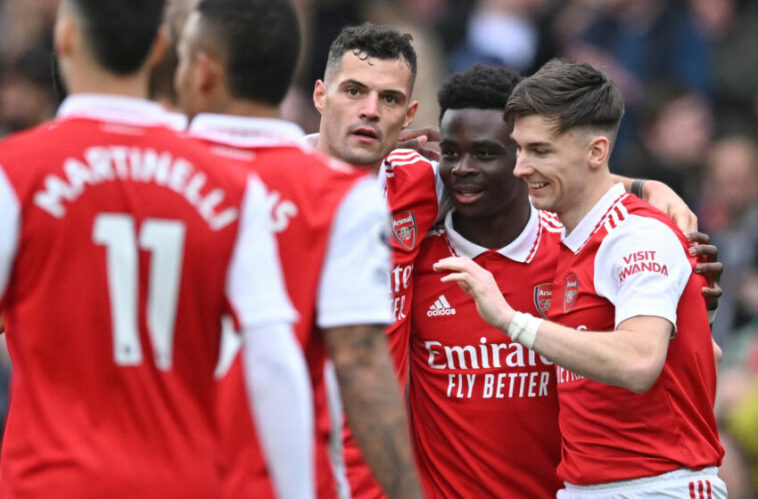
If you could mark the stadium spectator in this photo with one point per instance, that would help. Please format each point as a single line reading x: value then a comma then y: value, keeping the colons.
x: 729, y: 211
x: 675, y: 129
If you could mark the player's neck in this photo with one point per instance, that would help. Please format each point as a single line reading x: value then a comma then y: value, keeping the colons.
x: 497, y: 230
x: 250, y: 109
x: 582, y: 204
x: 97, y: 81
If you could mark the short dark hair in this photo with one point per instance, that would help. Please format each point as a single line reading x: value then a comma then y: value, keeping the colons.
x: 376, y: 40
x: 120, y: 33
x: 571, y: 94
x: 480, y: 87
x: 260, y: 40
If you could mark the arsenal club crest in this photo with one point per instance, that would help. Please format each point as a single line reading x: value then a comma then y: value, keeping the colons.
x: 542, y: 294
x: 404, y: 228
x: 569, y: 292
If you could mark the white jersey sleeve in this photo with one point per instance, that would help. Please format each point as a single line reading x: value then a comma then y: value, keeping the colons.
x: 9, y: 227
x: 642, y: 269
x: 281, y: 403
x: 254, y: 284
x: 354, y: 287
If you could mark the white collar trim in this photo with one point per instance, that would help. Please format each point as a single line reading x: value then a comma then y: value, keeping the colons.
x: 578, y: 237
x: 243, y: 131
x: 521, y: 249
x: 116, y: 109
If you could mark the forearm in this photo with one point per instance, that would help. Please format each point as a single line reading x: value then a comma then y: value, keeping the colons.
x: 374, y: 407
x: 615, y: 357
x: 282, y: 407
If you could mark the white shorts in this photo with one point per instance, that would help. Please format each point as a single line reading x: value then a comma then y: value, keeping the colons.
x: 680, y: 484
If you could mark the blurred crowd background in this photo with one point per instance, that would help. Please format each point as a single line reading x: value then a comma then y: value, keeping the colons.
x: 688, y: 70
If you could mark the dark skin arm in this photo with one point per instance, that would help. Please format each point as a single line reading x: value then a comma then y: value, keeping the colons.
x: 374, y: 406
x: 708, y: 266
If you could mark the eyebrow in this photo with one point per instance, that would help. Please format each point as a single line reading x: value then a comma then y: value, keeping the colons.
x: 536, y: 143
x: 488, y: 143
x: 389, y: 91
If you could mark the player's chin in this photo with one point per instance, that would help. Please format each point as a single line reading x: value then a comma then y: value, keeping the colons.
x: 363, y: 156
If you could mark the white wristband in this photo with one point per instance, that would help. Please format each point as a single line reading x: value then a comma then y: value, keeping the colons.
x: 523, y: 329
x: 712, y: 315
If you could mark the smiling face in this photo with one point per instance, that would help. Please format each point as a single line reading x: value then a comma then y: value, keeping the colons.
x: 364, y: 104
x: 476, y: 165
x: 566, y: 172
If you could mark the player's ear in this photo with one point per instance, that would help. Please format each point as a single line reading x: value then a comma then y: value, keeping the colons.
x: 210, y: 73
x: 319, y: 94
x: 63, y: 35
x: 410, y: 113
x: 160, y: 47
x: 598, y: 151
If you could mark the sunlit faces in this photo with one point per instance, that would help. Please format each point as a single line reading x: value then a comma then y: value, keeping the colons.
x: 364, y: 104
x: 555, y: 166
x: 477, y: 161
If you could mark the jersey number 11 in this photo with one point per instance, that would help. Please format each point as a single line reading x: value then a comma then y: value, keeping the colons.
x: 165, y: 240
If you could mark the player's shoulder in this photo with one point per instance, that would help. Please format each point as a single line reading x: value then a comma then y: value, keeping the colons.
x: 633, y: 215
x: 36, y: 137
x: 408, y: 159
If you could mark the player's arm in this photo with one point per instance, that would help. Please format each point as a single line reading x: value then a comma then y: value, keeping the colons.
x: 373, y: 405
x: 277, y: 379
x: 275, y: 372
x: 664, y: 198
x: 632, y: 356
x: 645, y: 304
x: 353, y: 312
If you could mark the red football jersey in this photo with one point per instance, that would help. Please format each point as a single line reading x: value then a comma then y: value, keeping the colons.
x: 483, y: 409
x: 120, y: 254
x: 412, y: 188
x: 626, y: 259
x: 329, y: 219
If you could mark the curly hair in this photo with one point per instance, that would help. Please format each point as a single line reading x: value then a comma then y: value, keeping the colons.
x: 480, y: 87
x: 374, y: 40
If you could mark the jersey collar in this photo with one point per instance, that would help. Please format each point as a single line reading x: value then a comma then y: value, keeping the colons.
x: 520, y: 249
x: 118, y: 109
x: 578, y: 237
x: 243, y: 131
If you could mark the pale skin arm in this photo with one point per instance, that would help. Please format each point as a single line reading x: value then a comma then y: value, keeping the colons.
x: 632, y: 356
x: 665, y: 199
x: 374, y: 407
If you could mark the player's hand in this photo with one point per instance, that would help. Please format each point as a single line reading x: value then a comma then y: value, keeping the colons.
x: 423, y: 140
x: 708, y: 265
x: 481, y: 286
x: 665, y: 199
